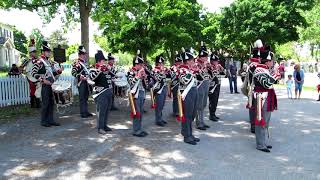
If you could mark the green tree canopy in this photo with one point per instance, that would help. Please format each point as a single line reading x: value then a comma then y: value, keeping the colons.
x: 38, y: 36
x: 20, y: 41
x: 168, y: 25
x: 74, y: 11
x: 58, y: 38
x: 273, y: 21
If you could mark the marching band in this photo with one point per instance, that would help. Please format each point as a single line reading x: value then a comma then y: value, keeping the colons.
x: 190, y: 81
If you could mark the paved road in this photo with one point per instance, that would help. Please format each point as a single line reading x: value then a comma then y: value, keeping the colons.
x: 226, y: 151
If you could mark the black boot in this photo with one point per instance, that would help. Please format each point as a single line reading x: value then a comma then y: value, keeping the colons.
x: 253, y: 130
x: 213, y: 118
x: 38, y: 102
x: 33, y: 101
x: 319, y: 98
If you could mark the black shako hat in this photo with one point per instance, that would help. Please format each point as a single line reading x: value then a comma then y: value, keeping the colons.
x: 82, y: 50
x: 138, y: 59
x: 45, y: 46
x: 186, y: 55
x: 99, y: 56
x: 178, y: 57
x: 110, y: 57
x: 160, y: 59
x: 203, y: 52
x: 266, y: 56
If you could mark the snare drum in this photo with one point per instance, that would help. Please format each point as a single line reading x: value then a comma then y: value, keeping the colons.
x: 121, y: 85
x: 62, y: 92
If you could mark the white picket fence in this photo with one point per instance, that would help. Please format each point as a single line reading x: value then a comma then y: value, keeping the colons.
x: 15, y: 90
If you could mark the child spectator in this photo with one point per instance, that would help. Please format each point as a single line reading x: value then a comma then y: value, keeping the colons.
x: 289, y: 86
x: 14, y: 71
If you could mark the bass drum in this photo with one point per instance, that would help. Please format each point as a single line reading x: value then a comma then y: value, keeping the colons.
x: 29, y: 71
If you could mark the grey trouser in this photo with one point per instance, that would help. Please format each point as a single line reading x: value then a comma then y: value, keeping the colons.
x: 137, y: 121
x: 175, y: 100
x: 190, y: 110
x: 213, y: 100
x: 202, y: 99
x: 83, y: 97
x: 160, y: 101
x: 103, y: 105
x: 47, y: 104
x: 261, y: 132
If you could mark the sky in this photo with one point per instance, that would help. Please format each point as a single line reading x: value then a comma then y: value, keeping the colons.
x: 26, y: 21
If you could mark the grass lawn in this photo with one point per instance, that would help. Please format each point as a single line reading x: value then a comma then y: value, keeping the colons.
x: 13, y: 112
x: 3, y: 74
x: 304, y: 88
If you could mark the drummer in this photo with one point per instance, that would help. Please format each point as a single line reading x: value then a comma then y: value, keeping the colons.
x: 80, y: 72
x: 102, y: 77
x: 27, y: 65
x: 44, y: 72
x: 113, y: 70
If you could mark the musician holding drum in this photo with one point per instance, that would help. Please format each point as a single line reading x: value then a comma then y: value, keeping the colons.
x: 43, y: 70
x: 136, y: 79
x: 27, y: 65
x: 81, y: 73
x: 103, y: 91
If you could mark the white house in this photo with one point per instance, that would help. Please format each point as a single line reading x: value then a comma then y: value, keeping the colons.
x: 8, y: 54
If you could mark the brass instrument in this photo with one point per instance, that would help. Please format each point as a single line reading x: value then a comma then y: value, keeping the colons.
x: 180, y: 107
x: 132, y: 105
x: 153, y: 103
x: 105, y: 67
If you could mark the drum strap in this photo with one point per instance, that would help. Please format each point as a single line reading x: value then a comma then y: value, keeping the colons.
x: 84, y: 67
x: 214, y: 87
x: 48, y: 68
x: 99, y: 93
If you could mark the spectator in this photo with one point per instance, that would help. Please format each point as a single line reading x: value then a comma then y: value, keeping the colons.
x: 232, y: 76
x: 14, y: 71
x: 281, y: 71
x: 289, y: 86
x: 298, y: 75
x: 243, y: 71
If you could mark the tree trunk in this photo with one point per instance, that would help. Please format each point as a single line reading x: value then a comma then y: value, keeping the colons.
x: 84, y: 19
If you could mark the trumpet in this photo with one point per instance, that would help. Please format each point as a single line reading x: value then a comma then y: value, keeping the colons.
x: 195, y: 68
x: 153, y: 103
x: 180, y: 108
x: 105, y: 67
x: 132, y: 106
